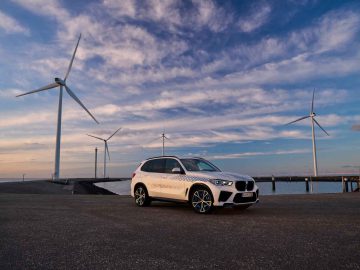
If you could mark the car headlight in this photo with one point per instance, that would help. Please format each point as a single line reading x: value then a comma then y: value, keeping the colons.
x: 220, y: 182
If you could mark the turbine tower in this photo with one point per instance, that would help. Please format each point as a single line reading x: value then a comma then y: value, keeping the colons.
x: 313, y: 120
x: 62, y: 84
x: 106, y: 148
x: 163, y: 137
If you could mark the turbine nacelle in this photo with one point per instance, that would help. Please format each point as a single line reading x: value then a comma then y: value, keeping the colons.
x: 60, y: 81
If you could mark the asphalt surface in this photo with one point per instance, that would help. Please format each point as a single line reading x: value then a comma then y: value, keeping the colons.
x: 35, y: 187
x: 75, y: 186
x: 110, y: 232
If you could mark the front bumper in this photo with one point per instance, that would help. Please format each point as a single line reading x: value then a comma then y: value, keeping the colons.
x: 225, y: 195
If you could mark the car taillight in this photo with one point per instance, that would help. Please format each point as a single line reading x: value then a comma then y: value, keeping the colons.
x: 133, y: 175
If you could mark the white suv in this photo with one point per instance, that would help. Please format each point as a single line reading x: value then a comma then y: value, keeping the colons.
x: 193, y: 180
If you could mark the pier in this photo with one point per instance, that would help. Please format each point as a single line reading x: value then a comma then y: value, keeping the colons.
x: 349, y: 182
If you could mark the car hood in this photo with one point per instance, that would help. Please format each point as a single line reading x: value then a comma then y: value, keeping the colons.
x: 220, y: 175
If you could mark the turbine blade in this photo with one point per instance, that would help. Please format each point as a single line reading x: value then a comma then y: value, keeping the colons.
x: 113, y: 134
x: 312, y: 103
x: 47, y: 87
x: 301, y: 118
x: 153, y: 140
x: 321, y: 127
x: 95, y: 137
x: 72, y: 59
x: 107, y: 149
x: 169, y: 140
x: 71, y: 93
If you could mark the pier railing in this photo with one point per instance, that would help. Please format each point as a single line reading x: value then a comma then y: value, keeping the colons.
x: 349, y: 182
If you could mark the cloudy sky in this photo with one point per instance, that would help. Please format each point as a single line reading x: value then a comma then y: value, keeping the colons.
x: 220, y: 77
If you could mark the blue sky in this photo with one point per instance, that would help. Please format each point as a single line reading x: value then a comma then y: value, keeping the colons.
x: 221, y: 77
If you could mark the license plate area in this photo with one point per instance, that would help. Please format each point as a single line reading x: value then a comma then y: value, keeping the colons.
x: 247, y: 194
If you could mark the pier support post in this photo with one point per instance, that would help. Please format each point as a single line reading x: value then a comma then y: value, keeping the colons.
x: 273, y: 183
x: 307, y: 184
x: 346, y: 185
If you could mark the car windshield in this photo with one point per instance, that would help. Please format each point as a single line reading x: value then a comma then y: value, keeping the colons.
x: 198, y: 165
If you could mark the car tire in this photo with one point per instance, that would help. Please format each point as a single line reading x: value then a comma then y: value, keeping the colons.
x: 141, y: 196
x: 202, y: 200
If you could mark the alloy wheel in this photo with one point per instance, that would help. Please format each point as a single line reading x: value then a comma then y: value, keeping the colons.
x: 140, y: 196
x: 201, y: 201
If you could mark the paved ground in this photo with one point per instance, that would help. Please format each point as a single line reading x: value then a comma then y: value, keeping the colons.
x: 35, y: 187
x: 110, y: 232
x: 74, y: 186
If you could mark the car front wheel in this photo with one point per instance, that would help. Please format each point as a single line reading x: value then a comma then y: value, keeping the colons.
x: 141, y: 196
x: 201, y: 200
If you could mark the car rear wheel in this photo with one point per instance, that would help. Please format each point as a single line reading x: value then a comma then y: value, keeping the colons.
x: 201, y: 200
x: 141, y: 196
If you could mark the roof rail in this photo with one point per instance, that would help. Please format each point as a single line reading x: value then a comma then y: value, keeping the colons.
x: 162, y: 157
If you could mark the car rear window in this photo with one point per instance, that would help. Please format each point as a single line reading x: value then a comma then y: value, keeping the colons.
x: 154, y: 165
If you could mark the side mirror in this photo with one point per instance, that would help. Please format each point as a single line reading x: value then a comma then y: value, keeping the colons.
x: 176, y: 170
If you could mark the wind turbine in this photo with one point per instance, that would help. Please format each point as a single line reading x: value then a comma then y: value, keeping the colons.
x: 313, y: 120
x: 61, y: 83
x: 163, y: 137
x: 106, y: 148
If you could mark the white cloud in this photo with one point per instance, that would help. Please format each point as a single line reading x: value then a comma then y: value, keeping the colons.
x: 208, y: 14
x: 52, y: 67
x: 334, y: 31
x: 109, y: 109
x: 49, y: 8
x: 142, y: 75
x: 10, y: 25
x: 295, y: 69
x: 121, y: 8
x: 9, y: 93
x: 337, y: 29
x: 162, y: 10
x: 199, y: 15
x: 254, y: 154
x: 257, y: 18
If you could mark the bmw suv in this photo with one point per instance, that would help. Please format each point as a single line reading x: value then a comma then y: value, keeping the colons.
x: 192, y: 180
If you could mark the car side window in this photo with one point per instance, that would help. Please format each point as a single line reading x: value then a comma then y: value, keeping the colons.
x: 155, y: 165
x: 204, y: 167
x: 170, y: 164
